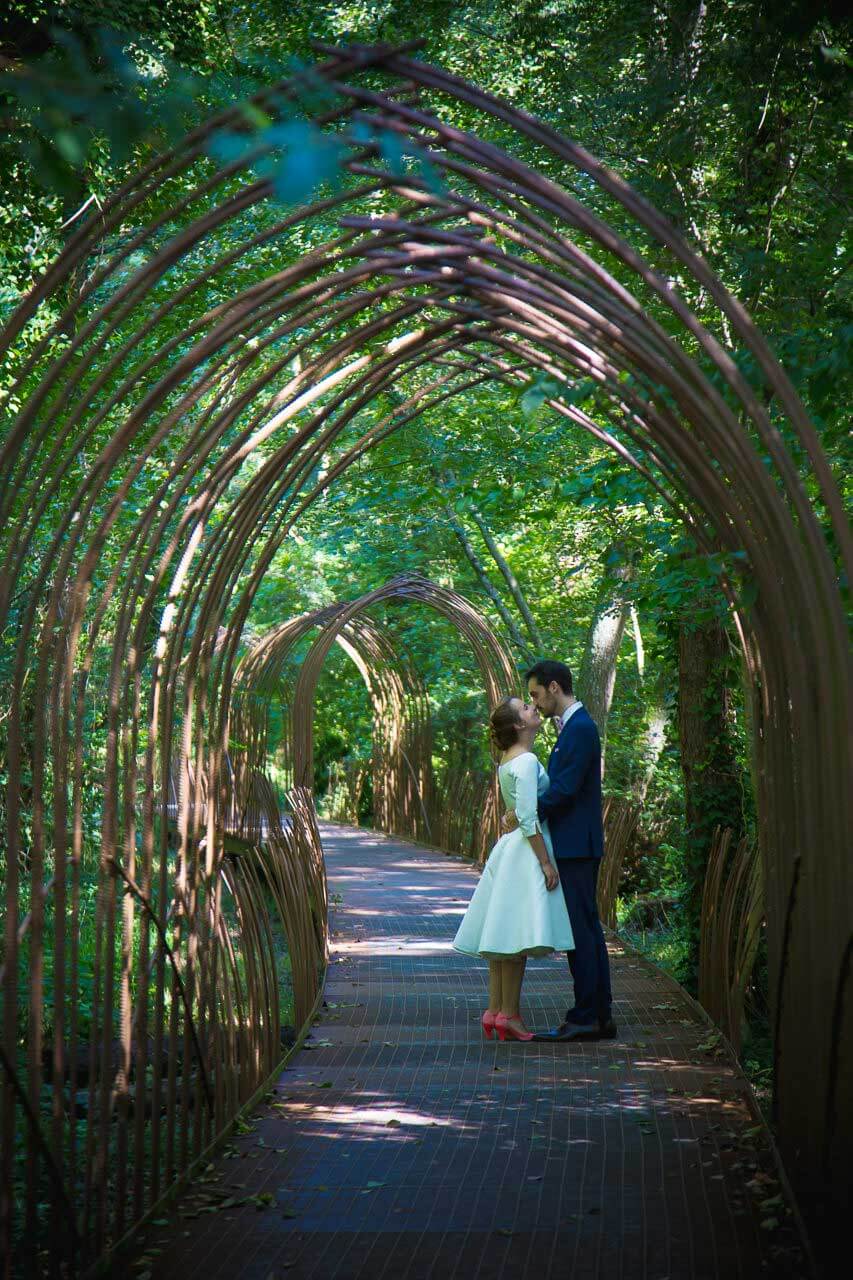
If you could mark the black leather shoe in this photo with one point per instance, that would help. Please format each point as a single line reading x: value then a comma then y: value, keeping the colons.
x: 607, y: 1029
x: 570, y: 1031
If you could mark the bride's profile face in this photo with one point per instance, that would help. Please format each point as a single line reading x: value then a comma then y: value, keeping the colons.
x: 527, y: 713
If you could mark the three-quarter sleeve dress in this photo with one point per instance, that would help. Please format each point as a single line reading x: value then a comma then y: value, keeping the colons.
x: 512, y: 913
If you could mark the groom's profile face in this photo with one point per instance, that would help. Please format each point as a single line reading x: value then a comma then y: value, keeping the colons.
x: 542, y: 698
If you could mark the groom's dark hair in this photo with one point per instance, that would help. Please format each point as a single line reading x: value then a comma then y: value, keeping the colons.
x: 547, y: 670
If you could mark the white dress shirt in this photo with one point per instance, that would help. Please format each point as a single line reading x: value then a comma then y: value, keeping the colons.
x: 563, y: 720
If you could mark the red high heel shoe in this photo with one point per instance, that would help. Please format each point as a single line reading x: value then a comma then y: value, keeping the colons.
x: 488, y: 1021
x: 506, y: 1031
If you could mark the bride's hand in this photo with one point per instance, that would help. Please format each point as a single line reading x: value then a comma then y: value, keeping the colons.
x: 552, y: 876
x: 509, y: 821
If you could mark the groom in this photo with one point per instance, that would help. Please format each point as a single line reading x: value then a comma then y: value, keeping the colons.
x: 572, y: 807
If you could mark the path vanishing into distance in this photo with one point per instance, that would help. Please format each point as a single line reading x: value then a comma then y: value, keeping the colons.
x: 399, y: 1144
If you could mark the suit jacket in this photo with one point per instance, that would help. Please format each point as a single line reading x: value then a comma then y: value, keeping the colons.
x: 572, y: 804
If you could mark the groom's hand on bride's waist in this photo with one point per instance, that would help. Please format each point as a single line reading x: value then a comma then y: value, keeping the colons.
x: 509, y: 821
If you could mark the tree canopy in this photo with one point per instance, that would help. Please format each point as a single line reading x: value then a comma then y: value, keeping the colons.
x: 727, y: 117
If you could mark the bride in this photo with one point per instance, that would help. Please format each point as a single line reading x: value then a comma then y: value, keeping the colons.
x: 515, y: 912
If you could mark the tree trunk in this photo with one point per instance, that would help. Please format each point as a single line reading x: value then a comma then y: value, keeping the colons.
x: 597, y: 674
x: 491, y: 591
x: 657, y: 719
x: 511, y: 581
x: 712, y: 780
x: 479, y: 569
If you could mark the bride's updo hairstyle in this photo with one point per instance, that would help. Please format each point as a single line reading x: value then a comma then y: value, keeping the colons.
x: 504, y: 725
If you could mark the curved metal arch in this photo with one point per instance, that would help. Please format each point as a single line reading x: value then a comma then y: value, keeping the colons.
x: 464, y: 818
x: 204, y: 400
x: 401, y: 758
x: 405, y: 800
x: 496, y: 668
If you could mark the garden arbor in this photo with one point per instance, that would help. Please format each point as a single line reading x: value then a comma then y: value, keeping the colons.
x: 397, y: 698
x: 188, y: 380
x: 405, y: 800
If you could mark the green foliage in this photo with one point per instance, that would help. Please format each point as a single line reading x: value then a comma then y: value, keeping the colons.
x: 730, y: 118
x: 77, y: 101
x: 540, y: 389
x: 732, y: 124
x: 667, y: 945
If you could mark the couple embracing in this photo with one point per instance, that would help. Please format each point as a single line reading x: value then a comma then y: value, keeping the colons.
x: 537, y: 893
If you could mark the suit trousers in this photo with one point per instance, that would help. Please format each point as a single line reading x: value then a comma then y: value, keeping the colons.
x: 589, y: 963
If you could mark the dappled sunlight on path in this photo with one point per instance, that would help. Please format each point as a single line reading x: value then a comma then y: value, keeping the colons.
x: 400, y: 1145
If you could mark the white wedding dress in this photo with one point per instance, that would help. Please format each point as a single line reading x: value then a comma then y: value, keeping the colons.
x: 512, y: 913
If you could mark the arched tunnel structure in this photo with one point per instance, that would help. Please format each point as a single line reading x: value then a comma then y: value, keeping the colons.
x: 168, y: 341
x: 404, y: 794
x: 401, y: 727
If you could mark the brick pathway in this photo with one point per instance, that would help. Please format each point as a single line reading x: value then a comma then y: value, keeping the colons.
x: 400, y: 1145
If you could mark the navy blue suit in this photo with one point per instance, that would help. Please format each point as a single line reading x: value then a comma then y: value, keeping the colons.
x: 572, y: 808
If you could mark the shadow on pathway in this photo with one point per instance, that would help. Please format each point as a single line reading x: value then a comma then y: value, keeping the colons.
x: 400, y: 1145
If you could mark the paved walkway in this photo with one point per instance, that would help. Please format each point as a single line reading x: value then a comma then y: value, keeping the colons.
x: 400, y: 1145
